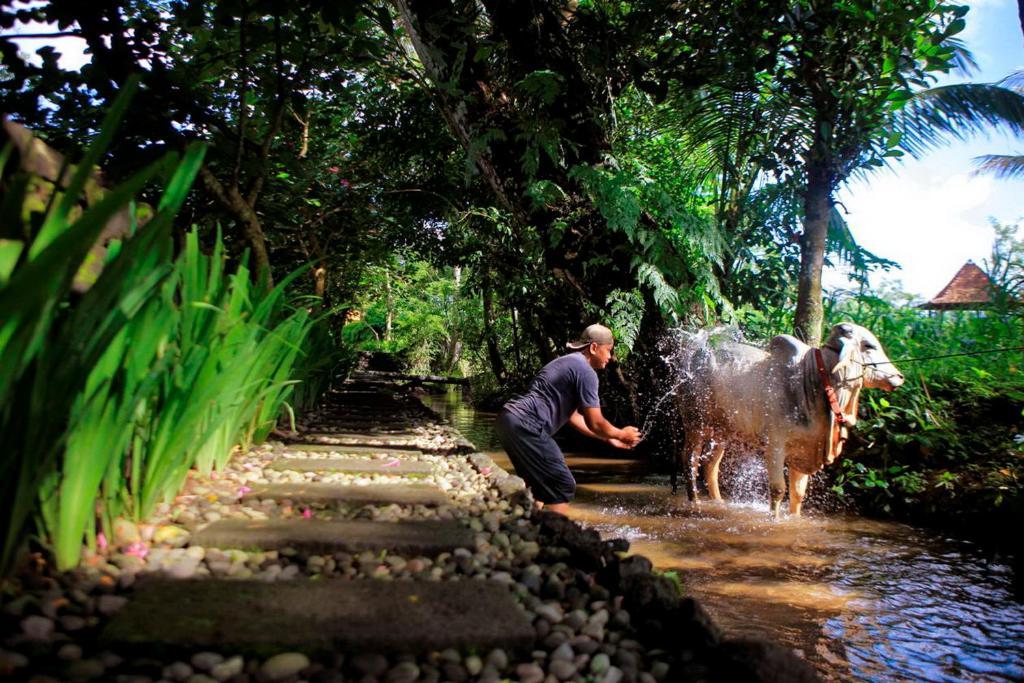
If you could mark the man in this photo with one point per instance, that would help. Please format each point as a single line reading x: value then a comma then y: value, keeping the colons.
x: 564, y: 391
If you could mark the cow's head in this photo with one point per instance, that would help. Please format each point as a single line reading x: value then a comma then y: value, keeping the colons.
x: 861, y: 358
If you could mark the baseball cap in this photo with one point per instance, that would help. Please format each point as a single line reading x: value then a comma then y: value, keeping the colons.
x: 595, y: 333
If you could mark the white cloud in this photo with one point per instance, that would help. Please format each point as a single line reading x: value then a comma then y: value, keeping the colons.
x: 924, y: 220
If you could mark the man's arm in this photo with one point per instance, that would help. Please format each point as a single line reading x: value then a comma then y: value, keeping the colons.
x: 591, y: 422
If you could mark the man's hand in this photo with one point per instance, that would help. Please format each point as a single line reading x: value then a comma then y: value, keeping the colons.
x: 630, y: 436
x: 621, y: 444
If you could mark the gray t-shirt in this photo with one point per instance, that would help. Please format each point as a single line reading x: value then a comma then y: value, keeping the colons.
x: 563, y: 386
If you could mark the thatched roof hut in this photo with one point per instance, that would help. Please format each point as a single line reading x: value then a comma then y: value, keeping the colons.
x: 969, y: 289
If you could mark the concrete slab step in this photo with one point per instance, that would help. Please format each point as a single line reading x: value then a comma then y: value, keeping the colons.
x: 295, y: 447
x: 377, y: 494
x: 319, y: 617
x: 418, y: 537
x: 390, y: 441
x: 371, y: 433
x: 392, y: 467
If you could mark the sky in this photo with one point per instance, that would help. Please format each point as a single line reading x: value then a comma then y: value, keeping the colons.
x: 930, y: 215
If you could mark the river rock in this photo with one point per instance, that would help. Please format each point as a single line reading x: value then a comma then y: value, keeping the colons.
x: 38, y: 628
x: 84, y: 669
x: 563, y: 653
x: 110, y: 604
x: 204, y: 661
x: 12, y: 660
x: 600, y: 664
x: 228, y: 668
x: 529, y: 673
x: 405, y: 672
x: 612, y: 675
x: 563, y: 670
x: 125, y: 532
x: 174, y: 536
x: 474, y: 665
x: 69, y: 652
x: 284, y: 665
x: 178, y: 671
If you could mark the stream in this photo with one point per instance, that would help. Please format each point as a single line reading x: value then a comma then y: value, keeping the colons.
x: 859, y: 599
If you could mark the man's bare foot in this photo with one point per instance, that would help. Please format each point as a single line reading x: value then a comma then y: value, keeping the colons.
x: 560, y: 508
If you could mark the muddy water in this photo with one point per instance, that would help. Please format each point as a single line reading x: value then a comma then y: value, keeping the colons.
x: 859, y: 599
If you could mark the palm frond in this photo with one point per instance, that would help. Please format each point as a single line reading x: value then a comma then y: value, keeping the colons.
x: 1014, y: 81
x: 1002, y: 166
x: 959, y: 111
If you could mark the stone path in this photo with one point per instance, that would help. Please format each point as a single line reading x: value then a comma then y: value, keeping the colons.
x: 315, y: 536
x: 392, y: 467
x: 368, y: 561
x: 258, y: 618
x: 381, y: 494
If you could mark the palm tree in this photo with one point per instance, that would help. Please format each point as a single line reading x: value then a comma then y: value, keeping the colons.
x: 965, y: 109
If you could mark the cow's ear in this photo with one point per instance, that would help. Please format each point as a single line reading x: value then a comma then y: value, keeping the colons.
x: 845, y: 329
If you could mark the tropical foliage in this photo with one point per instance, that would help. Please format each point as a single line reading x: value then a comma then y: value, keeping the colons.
x: 459, y: 184
x: 109, y: 398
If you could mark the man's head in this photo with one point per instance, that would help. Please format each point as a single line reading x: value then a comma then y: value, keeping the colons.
x: 597, y: 343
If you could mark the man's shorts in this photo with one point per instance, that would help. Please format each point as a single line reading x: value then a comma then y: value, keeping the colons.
x: 537, y: 459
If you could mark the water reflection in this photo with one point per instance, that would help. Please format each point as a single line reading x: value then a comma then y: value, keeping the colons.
x: 858, y: 598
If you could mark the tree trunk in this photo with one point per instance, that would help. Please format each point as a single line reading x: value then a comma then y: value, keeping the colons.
x: 817, y: 209
x: 390, y: 306
x: 490, y: 338
x: 231, y: 198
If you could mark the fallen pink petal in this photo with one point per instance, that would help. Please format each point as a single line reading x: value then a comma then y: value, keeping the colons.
x: 391, y: 463
x: 139, y: 550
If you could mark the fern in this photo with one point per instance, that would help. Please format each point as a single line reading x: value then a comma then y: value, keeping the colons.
x: 625, y: 312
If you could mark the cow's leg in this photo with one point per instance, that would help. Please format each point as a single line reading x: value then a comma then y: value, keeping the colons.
x: 691, y: 456
x: 776, y: 476
x: 797, y: 490
x: 711, y: 470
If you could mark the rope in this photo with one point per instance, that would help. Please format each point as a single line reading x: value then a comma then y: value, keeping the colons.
x: 948, y: 355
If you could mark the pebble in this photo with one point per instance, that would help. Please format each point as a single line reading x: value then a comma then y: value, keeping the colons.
x: 200, y: 678
x: 84, y: 669
x: 563, y: 670
x: 474, y: 665
x: 204, y: 661
x: 12, y: 660
x: 600, y: 663
x: 497, y: 659
x: 110, y: 604
x: 405, y: 672
x: 529, y: 673
x: 284, y: 665
x: 228, y: 668
x: 551, y: 611
x: 69, y: 652
x: 563, y: 653
x: 660, y: 671
x: 36, y: 627
x: 612, y: 675
x: 178, y: 671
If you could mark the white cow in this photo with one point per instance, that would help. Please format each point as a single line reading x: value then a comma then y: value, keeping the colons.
x: 778, y: 401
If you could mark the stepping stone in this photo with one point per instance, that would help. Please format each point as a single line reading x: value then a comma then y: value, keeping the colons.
x: 319, y: 617
x: 318, y: 536
x: 364, y: 440
x: 393, y: 467
x: 343, y: 449
x: 377, y: 494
